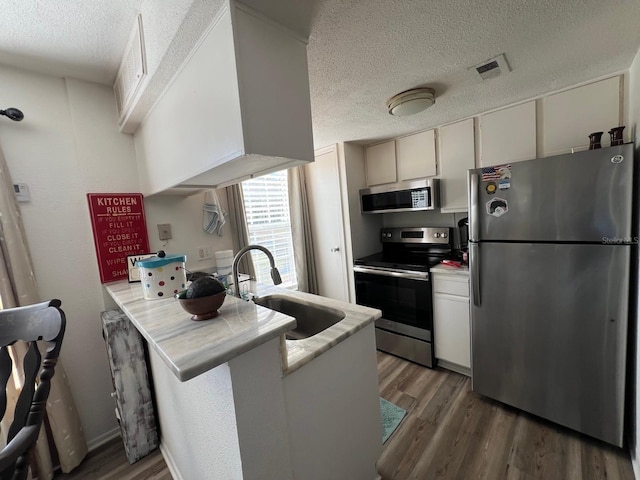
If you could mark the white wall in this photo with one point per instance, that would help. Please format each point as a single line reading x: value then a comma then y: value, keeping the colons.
x: 66, y: 146
x: 185, y: 215
x: 69, y: 145
x: 634, y: 126
x: 199, y: 437
x: 333, y: 412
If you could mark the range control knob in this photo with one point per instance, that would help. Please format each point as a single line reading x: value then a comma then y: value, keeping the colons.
x: 444, y: 235
x: 437, y: 234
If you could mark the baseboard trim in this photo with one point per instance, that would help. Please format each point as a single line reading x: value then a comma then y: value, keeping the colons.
x: 454, y: 367
x: 171, y: 464
x: 102, y: 439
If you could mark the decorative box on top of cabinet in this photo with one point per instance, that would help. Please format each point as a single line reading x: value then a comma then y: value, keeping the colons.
x: 451, y: 325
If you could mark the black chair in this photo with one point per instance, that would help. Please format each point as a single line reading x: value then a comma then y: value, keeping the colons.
x: 42, y: 322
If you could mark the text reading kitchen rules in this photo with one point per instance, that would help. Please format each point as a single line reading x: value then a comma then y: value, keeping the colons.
x: 119, y: 229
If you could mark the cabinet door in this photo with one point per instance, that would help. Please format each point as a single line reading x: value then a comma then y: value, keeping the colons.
x: 416, y: 156
x: 451, y: 329
x: 456, y: 150
x: 569, y: 117
x: 381, y: 163
x: 508, y: 135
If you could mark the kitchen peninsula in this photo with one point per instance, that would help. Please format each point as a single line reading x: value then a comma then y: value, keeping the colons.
x: 237, y: 401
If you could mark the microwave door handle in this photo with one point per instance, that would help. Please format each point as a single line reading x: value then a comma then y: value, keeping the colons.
x: 474, y: 268
x: 474, y: 210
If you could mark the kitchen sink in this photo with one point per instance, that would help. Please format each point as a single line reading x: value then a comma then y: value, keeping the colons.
x: 311, y: 318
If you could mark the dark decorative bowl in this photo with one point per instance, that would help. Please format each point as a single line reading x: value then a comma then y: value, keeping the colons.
x: 202, y: 308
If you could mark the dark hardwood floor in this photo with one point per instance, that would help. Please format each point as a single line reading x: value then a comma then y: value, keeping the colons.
x: 109, y: 462
x: 449, y: 433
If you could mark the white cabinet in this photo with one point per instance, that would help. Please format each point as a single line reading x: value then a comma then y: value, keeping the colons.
x: 456, y: 152
x: 381, y: 163
x: 569, y: 117
x: 451, y: 329
x: 246, y: 90
x: 508, y: 135
x: 416, y: 156
x: 405, y: 158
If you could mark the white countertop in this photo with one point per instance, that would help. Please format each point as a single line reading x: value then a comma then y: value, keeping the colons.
x: 449, y: 270
x: 190, y: 347
x: 300, y: 352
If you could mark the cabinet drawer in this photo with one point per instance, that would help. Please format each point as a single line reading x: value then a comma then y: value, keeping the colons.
x: 451, y: 284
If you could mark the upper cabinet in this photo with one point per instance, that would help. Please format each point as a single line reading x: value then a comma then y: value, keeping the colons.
x: 416, y: 156
x: 381, y: 163
x: 456, y: 151
x: 405, y: 158
x: 559, y: 123
x: 569, y: 117
x: 238, y: 107
x: 508, y: 135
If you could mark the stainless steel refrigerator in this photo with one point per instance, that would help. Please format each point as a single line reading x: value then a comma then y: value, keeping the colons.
x: 550, y: 244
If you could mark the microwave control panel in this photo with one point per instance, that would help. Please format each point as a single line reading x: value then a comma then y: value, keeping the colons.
x: 419, y: 198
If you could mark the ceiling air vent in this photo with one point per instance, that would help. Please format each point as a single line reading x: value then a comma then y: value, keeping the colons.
x: 133, y: 70
x: 493, y: 68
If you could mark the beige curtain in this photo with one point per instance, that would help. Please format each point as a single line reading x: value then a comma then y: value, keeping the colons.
x: 301, y: 231
x: 18, y: 288
x: 239, y: 232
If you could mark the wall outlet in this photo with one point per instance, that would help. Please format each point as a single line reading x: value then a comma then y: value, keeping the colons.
x: 204, y: 253
x: 164, y: 231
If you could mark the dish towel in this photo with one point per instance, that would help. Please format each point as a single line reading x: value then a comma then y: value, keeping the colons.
x: 214, y: 216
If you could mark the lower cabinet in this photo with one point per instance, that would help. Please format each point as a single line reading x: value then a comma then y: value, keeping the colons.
x: 451, y: 330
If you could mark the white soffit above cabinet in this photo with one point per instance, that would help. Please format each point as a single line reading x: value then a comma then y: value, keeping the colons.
x: 238, y: 107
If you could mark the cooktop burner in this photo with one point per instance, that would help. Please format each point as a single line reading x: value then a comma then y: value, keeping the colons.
x: 379, y: 260
x: 416, y: 248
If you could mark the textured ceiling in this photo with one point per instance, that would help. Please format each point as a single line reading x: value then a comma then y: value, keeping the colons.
x: 361, y: 52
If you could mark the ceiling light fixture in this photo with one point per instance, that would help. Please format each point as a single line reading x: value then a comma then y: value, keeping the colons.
x: 412, y: 101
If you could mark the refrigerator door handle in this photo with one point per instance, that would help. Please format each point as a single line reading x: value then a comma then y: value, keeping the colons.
x: 474, y: 266
x: 474, y: 220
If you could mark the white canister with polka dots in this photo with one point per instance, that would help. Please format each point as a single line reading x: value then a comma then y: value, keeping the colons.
x: 162, y: 276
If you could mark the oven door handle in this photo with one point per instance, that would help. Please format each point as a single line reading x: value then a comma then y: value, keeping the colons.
x: 420, y: 276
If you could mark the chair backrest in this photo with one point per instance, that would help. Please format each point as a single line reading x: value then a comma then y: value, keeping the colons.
x: 42, y: 322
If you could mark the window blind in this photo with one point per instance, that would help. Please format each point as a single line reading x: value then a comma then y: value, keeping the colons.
x: 266, y: 203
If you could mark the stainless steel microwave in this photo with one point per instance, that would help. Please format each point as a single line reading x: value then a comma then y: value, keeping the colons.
x: 411, y: 196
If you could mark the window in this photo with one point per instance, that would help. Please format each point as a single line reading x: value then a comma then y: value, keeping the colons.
x: 266, y: 204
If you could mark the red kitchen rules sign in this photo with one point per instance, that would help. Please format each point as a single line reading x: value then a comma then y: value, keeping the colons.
x: 119, y: 229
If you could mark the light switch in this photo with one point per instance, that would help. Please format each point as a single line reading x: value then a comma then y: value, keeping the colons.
x: 164, y: 231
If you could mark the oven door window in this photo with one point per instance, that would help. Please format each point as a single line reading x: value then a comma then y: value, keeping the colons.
x: 401, y: 300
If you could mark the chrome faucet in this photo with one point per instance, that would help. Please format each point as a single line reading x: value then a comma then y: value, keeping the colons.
x: 275, y: 274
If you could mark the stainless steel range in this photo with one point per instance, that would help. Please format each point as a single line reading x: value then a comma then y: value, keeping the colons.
x: 397, y: 281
